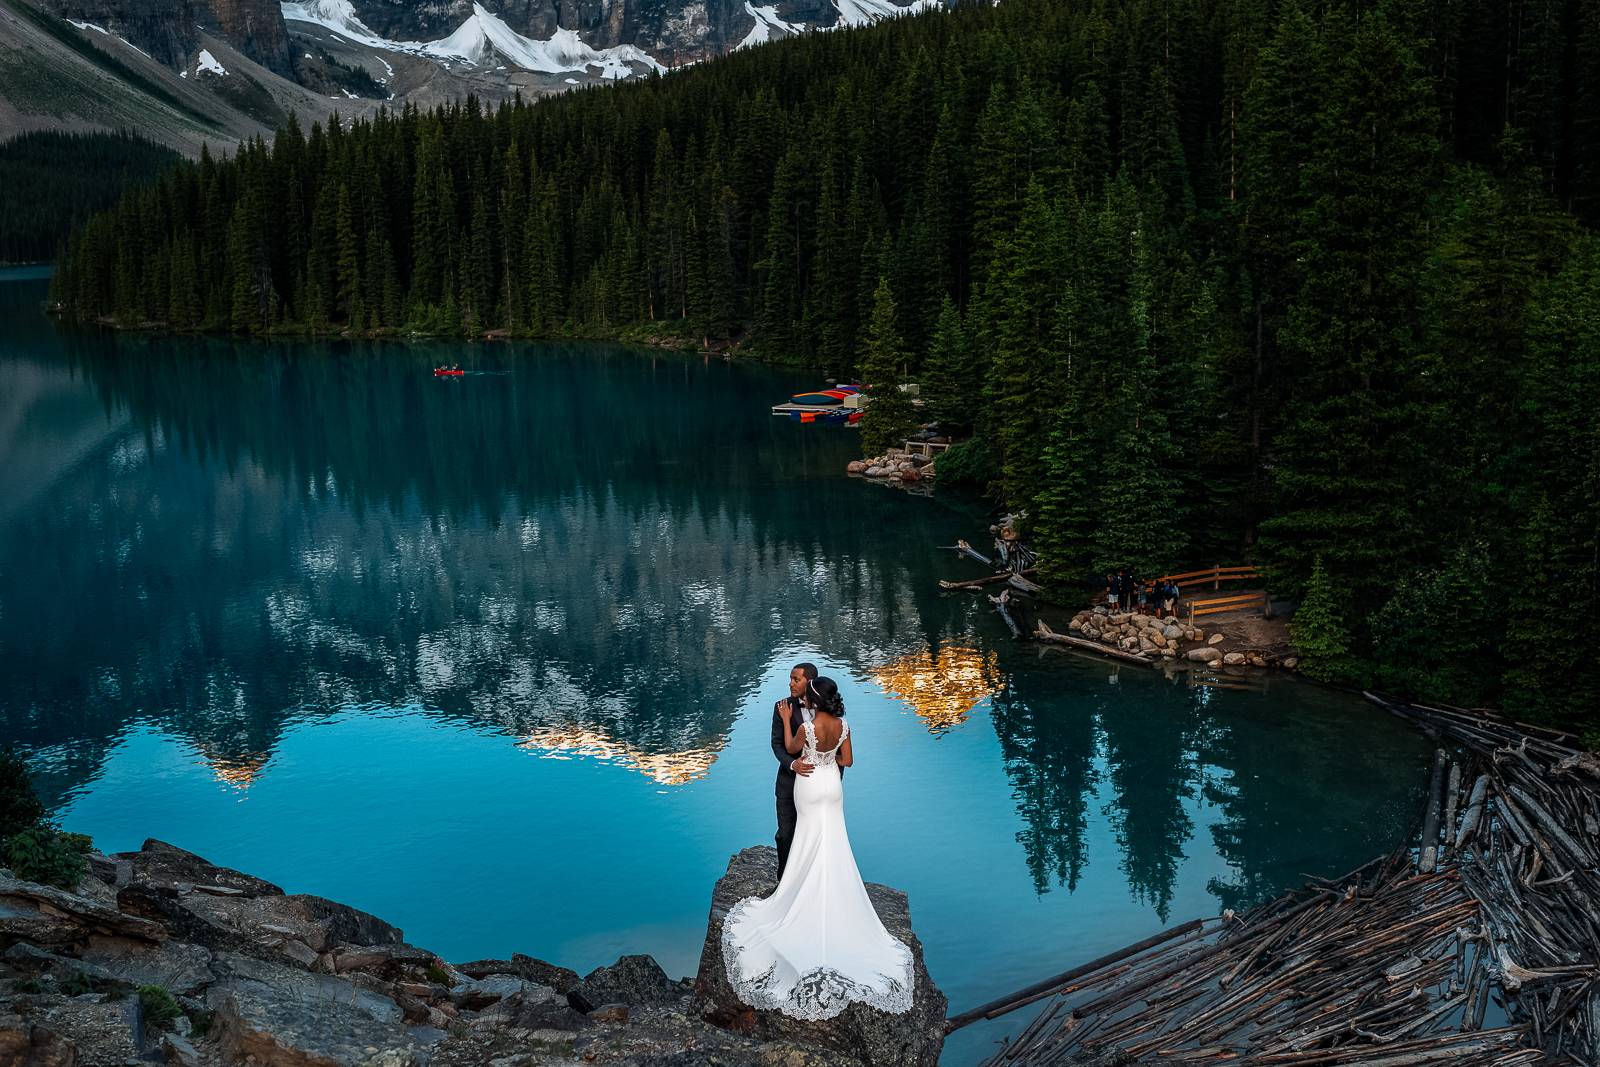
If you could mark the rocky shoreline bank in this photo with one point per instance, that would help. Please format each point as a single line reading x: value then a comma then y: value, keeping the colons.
x: 1172, y: 639
x: 895, y: 465
x: 161, y: 956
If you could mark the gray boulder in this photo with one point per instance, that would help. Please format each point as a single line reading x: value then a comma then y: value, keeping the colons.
x: 168, y: 866
x: 52, y: 1030
x: 389, y: 962
x: 875, y: 1038
x: 631, y: 980
x: 275, y: 926
x: 176, y: 966
x: 561, y: 979
x: 475, y: 994
x: 283, y: 1015
x: 44, y: 915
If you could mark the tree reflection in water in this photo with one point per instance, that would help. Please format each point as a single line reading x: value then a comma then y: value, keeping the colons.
x: 594, y: 555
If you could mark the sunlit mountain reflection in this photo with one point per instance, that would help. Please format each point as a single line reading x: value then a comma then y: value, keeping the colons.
x: 666, y: 768
x: 942, y: 685
x: 469, y: 648
x: 240, y: 771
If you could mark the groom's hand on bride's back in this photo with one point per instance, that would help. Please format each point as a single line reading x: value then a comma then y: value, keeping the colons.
x: 801, y: 767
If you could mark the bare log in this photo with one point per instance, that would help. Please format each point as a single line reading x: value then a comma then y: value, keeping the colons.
x: 967, y: 550
x: 978, y: 583
x: 1044, y: 633
x: 1430, y: 818
x: 1469, y: 821
x: 996, y: 1008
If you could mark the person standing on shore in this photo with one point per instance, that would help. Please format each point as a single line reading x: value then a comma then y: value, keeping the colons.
x: 798, y: 712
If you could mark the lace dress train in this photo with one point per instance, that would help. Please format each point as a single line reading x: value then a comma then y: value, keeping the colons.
x: 816, y: 945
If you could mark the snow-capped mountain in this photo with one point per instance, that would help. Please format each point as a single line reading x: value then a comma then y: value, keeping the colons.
x: 483, y: 40
x: 210, y: 71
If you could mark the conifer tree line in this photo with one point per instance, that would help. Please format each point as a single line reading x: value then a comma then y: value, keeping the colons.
x: 1308, y: 284
x: 54, y: 181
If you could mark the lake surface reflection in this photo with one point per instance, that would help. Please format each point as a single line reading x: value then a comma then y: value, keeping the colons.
x: 494, y: 658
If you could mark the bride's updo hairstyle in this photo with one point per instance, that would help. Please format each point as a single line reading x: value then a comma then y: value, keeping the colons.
x: 825, y: 696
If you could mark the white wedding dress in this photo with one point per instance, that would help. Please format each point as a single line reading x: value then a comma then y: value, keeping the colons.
x: 816, y: 945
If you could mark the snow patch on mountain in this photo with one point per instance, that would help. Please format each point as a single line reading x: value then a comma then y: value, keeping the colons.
x: 767, y: 21
x: 102, y: 30
x: 866, y: 12
x: 770, y: 27
x: 207, y: 64
x: 340, y: 17
x: 480, y: 39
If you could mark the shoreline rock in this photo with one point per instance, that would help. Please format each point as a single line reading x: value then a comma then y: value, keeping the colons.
x: 263, y: 978
x: 895, y: 465
x: 860, y: 1035
x: 1173, y: 640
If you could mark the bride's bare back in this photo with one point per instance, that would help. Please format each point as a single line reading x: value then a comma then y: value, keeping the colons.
x: 828, y: 727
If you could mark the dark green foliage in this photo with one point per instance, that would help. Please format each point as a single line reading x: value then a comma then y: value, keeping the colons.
x: 78, y: 983
x: 1319, y: 631
x: 1240, y: 282
x: 42, y: 853
x: 968, y: 463
x: 890, y: 414
x: 53, y: 182
x: 157, y: 1007
x: 34, y: 848
x: 952, y: 375
x: 1429, y: 637
x: 19, y: 805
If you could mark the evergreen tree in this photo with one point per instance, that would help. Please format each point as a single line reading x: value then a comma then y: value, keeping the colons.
x: 890, y: 415
x: 1345, y: 460
x: 1319, y: 631
x: 347, y: 263
x: 952, y: 380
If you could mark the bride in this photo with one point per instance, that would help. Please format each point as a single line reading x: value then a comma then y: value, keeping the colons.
x: 816, y: 945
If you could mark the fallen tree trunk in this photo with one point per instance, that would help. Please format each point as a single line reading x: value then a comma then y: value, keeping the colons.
x: 1044, y: 633
x: 977, y: 583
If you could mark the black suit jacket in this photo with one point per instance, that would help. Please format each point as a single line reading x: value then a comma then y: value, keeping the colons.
x: 784, y: 786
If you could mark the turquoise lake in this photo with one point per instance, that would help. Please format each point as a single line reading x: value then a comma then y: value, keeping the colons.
x: 494, y: 659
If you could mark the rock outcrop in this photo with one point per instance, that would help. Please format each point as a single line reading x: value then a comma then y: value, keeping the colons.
x: 167, y: 28
x: 861, y: 1034
x: 246, y: 974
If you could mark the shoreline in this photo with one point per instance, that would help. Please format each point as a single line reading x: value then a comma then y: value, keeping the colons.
x: 160, y: 954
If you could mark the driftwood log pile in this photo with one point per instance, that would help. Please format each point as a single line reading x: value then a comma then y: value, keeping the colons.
x: 1479, y: 946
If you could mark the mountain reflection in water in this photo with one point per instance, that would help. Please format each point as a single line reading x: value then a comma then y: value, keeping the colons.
x: 942, y: 685
x: 495, y: 659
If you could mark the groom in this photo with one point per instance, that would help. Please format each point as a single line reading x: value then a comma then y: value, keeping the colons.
x: 800, y: 676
